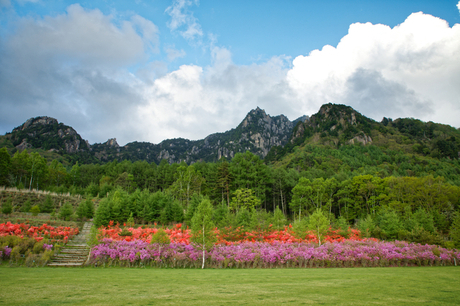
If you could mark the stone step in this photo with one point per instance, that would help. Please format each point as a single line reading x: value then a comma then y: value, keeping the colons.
x: 68, y: 261
x: 72, y: 255
x: 65, y: 264
x: 75, y: 253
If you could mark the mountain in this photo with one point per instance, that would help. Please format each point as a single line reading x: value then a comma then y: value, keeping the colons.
x: 273, y: 138
x: 337, y: 125
x: 258, y: 133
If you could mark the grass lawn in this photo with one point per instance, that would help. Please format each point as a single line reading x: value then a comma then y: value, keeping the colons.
x: 123, y: 286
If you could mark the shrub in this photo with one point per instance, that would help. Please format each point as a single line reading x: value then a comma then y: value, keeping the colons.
x: 38, y: 247
x: 160, y: 237
x: 26, y: 206
x: 66, y: 211
x: 35, y: 210
x: 7, y: 207
x: 47, y: 205
x: 125, y: 232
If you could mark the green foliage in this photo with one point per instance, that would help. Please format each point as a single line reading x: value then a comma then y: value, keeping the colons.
x: 243, y: 218
x: 66, y: 211
x: 5, y: 166
x: 125, y: 232
x: 300, y: 227
x: 35, y: 210
x: 103, y: 214
x: 244, y: 198
x: 318, y: 223
x: 366, y: 226
x: 221, y: 214
x: 93, y: 239
x: 389, y: 222
x: 454, y: 232
x: 279, y: 220
x: 47, y: 205
x: 130, y: 221
x: 26, y: 206
x: 160, y: 237
x: 85, y: 209
x: 7, y: 207
x: 203, y: 228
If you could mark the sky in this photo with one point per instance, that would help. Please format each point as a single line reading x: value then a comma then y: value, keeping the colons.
x: 153, y: 70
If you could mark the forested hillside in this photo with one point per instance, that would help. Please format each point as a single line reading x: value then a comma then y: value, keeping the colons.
x: 395, y: 179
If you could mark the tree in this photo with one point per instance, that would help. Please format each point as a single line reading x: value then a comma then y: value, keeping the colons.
x: 203, y: 228
x: 243, y: 218
x: 57, y: 173
x: 85, y: 209
x: 47, y: 205
x: 38, y: 169
x: 224, y: 179
x: 103, y: 213
x: 66, y: 211
x: 188, y: 182
x: 244, y: 198
x: 455, y: 230
x: 279, y: 220
x: 5, y: 166
x: 75, y: 174
x: 301, y: 195
x: 7, y: 207
x: 319, y: 224
x: 35, y: 210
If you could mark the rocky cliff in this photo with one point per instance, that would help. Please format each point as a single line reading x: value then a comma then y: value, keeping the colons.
x: 258, y: 133
x: 48, y: 134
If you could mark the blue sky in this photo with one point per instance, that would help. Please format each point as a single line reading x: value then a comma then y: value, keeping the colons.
x: 151, y: 70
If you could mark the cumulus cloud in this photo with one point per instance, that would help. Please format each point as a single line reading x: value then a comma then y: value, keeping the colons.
x: 182, y: 19
x: 193, y: 102
x: 411, y: 69
x: 74, y: 67
x: 97, y: 79
x: 458, y: 6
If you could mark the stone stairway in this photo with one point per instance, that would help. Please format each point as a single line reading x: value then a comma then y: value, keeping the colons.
x: 75, y: 253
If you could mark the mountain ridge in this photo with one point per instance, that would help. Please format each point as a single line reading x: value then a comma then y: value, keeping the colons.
x: 257, y: 132
x: 271, y: 138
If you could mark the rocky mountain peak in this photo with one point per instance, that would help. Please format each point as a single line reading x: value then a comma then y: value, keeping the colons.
x: 340, y: 122
x: 48, y: 134
x: 112, y: 142
x: 43, y: 120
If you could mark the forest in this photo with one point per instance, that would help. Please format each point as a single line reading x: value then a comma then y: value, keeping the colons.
x: 386, y: 194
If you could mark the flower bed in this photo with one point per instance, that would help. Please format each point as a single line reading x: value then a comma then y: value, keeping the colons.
x: 227, y: 236
x: 272, y: 255
x: 23, y: 230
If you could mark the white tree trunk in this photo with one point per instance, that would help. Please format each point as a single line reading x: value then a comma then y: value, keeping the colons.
x: 204, y: 249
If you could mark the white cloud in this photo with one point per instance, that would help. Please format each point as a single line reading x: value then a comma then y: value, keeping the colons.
x: 74, y: 67
x: 86, y: 36
x: 458, y: 6
x: 416, y: 63
x: 89, y: 73
x: 182, y: 18
x: 172, y: 53
x: 193, y: 102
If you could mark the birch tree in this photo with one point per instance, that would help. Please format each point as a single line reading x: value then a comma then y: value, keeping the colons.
x: 203, y: 228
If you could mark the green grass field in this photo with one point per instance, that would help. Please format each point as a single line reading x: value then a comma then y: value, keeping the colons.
x: 123, y: 286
